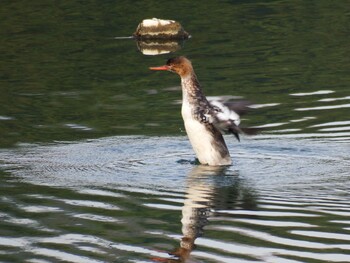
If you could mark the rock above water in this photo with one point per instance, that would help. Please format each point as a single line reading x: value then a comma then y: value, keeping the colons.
x: 160, y: 29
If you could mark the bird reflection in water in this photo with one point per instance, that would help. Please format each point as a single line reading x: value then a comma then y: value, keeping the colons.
x: 209, y: 188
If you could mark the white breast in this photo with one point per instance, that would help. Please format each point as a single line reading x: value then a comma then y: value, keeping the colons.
x: 201, y: 139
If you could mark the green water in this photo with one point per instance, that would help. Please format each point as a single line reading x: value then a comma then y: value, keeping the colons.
x: 65, y: 77
x: 95, y: 164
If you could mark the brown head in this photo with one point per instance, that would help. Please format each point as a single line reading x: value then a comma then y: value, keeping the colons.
x: 180, y: 65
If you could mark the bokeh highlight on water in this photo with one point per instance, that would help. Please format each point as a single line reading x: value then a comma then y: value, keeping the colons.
x: 95, y: 164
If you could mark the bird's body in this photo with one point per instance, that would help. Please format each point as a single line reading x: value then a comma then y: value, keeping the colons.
x: 206, y: 140
x: 204, y: 121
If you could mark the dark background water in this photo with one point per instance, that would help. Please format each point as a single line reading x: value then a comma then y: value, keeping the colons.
x: 95, y: 165
x: 65, y: 77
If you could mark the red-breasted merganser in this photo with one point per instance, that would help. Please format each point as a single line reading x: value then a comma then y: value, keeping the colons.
x: 205, y: 120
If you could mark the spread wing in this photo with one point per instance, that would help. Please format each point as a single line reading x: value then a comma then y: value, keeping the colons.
x: 225, y: 116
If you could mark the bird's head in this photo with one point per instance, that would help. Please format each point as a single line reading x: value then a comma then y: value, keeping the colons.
x: 179, y: 65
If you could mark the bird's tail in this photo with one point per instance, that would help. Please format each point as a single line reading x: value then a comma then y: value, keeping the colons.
x: 236, y: 130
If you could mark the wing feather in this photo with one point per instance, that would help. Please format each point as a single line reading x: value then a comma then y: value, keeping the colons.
x: 225, y: 116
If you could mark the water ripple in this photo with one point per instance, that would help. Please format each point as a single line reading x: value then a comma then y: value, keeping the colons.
x: 330, y: 107
x: 276, y: 204
x: 63, y: 256
x: 319, y: 92
x: 318, y: 234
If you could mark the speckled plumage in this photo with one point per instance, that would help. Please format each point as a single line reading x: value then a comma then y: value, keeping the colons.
x: 206, y: 140
x: 204, y: 121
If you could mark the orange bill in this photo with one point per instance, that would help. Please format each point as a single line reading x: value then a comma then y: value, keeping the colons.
x: 165, y: 67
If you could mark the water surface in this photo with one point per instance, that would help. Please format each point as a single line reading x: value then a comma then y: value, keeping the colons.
x: 98, y: 201
x: 95, y: 164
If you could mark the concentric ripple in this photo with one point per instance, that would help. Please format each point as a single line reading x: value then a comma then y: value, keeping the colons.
x: 284, y: 200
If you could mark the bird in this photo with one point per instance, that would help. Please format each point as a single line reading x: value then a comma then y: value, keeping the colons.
x: 206, y: 119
